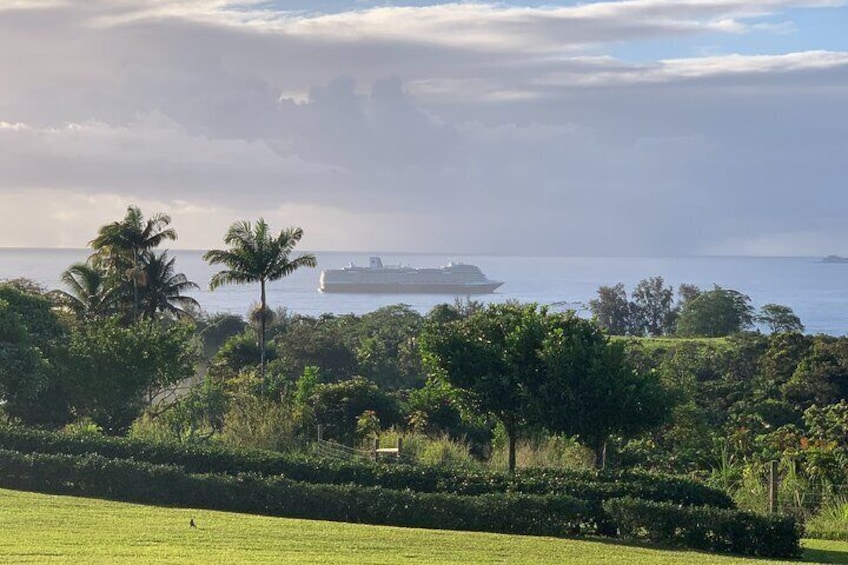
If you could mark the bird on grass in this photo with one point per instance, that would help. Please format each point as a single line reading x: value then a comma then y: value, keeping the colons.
x: 191, y: 523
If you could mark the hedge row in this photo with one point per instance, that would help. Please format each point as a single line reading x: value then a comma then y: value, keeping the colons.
x: 134, y: 481
x: 708, y: 529
x: 593, y: 487
x: 702, y: 528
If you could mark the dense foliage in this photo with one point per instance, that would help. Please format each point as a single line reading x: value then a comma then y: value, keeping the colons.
x: 652, y: 311
x: 130, y: 480
x: 103, y: 349
x: 527, y: 366
x: 126, y: 277
x: 119, y: 351
x: 706, y: 529
x: 591, y: 486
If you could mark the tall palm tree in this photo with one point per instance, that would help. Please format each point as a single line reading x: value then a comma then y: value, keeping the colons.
x: 119, y: 246
x: 163, y: 289
x: 256, y: 255
x: 89, y: 293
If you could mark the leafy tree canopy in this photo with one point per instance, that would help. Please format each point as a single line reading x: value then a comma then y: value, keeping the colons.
x: 338, y: 406
x: 612, y: 311
x: 715, y: 313
x: 525, y: 365
x: 779, y: 319
x: 115, y: 370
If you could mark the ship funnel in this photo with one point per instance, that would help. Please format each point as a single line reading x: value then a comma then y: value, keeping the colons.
x: 376, y: 263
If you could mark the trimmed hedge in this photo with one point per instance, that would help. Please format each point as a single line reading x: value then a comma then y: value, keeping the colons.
x: 708, y: 529
x: 592, y: 487
x: 134, y: 481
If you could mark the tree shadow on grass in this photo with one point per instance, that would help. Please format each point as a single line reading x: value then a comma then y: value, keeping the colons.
x: 809, y: 555
x: 825, y: 556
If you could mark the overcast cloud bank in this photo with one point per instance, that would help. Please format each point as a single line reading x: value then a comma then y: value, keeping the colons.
x: 448, y: 127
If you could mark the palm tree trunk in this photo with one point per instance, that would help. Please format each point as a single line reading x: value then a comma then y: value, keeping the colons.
x: 262, y: 334
x: 135, y: 286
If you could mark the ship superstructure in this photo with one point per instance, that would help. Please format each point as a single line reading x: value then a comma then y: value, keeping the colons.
x: 454, y: 278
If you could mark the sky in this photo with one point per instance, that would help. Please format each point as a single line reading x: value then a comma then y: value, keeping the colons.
x: 611, y: 128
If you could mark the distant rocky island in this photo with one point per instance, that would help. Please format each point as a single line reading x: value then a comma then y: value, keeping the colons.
x: 834, y: 259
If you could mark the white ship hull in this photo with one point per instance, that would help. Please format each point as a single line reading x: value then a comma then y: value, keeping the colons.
x: 456, y: 279
x: 411, y: 288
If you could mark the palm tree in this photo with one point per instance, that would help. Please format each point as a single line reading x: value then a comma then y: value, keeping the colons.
x: 89, y: 293
x: 163, y: 289
x: 120, y: 246
x: 256, y: 255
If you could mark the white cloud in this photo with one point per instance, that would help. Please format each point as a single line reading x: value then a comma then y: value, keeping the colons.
x: 463, y: 126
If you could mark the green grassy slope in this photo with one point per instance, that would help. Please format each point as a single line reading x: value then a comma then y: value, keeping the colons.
x: 36, y: 528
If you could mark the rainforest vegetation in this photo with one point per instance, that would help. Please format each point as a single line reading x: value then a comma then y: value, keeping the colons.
x: 649, y: 385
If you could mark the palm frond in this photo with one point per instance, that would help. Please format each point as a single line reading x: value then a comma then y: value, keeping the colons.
x: 231, y: 277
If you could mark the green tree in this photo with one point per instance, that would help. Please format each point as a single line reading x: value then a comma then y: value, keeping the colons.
x: 436, y: 408
x: 23, y: 369
x: 321, y: 343
x: 828, y: 423
x: 195, y: 416
x: 715, y: 313
x: 256, y: 255
x: 612, y: 311
x: 238, y: 352
x: 491, y: 356
x: 115, y: 370
x: 120, y: 246
x: 821, y: 377
x: 338, y: 406
x: 216, y: 329
x: 387, y: 347
x: 779, y: 319
x: 780, y: 360
x: 33, y: 341
x: 653, y: 307
x: 89, y: 294
x: 687, y: 293
x: 524, y: 365
x: 164, y: 289
x: 589, y: 388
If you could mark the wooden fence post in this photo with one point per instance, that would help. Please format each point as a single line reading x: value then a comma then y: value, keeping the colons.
x: 772, y: 491
x: 375, y: 445
x: 399, y: 446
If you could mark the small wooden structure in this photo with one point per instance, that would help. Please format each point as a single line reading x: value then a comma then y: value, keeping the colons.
x: 377, y: 451
x: 374, y: 453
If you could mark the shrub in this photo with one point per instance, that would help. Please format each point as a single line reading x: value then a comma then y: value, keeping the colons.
x: 830, y: 521
x: 550, y: 452
x: 593, y: 487
x: 704, y: 528
x: 134, y: 481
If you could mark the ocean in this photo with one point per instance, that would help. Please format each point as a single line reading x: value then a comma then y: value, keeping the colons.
x: 816, y: 291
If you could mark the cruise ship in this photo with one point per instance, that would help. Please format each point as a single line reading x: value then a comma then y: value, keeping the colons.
x: 454, y: 278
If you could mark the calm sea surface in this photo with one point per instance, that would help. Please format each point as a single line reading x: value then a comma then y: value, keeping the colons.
x: 818, y: 292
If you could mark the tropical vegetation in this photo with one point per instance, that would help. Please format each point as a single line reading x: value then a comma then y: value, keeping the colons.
x: 255, y: 254
x: 163, y: 535
x: 500, y: 400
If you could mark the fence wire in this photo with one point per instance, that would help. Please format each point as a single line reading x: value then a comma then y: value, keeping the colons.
x: 334, y: 450
x: 795, y: 494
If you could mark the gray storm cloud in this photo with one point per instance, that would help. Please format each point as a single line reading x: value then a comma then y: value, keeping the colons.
x: 486, y: 127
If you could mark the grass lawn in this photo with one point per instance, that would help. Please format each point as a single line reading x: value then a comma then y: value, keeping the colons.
x: 36, y: 528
